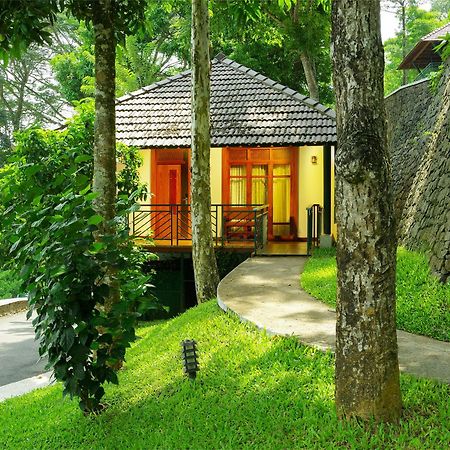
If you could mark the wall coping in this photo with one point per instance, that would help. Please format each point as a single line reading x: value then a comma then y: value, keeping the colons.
x: 414, y: 83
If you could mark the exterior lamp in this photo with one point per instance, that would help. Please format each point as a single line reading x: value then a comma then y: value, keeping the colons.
x: 189, y: 355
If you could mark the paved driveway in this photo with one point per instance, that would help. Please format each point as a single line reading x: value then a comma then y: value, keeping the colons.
x: 19, y: 357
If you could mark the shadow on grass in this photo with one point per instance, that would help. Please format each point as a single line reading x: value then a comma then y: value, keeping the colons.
x: 252, y: 391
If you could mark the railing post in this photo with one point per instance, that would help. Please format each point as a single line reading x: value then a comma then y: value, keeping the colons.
x: 177, y: 224
x: 319, y: 225
x: 309, y: 231
x: 223, y: 225
x: 255, y: 234
x: 171, y: 226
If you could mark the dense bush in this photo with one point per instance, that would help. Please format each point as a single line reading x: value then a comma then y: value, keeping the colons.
x: 10, y: 285
x: 51, y: 227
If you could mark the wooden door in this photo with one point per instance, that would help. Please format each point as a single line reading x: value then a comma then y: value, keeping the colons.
x: 264, y: 176
x: 168, y: 196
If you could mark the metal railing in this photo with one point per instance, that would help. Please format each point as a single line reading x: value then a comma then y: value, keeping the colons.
x: 171, y: 224
x: 314, y: 226
x: 425, y: 72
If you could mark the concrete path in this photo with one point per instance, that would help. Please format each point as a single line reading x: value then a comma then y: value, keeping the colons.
x: 266, y: 291
x: 24, y: 386
x: 19, y: 357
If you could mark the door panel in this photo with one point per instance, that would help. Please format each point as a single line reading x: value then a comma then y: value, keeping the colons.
x: 281, y: 204
x: 265, y: 176
x: 168, y: 192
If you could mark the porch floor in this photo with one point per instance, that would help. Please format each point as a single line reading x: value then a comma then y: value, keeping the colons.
x: 286, y: 248
x: 272, y: 248
x: 186, y: 245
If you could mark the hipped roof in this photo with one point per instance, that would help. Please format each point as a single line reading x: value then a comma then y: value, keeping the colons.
x: 247, y: 109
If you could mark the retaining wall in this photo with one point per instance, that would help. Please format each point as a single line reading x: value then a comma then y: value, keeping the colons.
x: 419, y: 144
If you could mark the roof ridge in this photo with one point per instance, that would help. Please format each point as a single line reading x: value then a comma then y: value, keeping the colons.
x: 435, y: 31
x: 314, y: 104
x: 150, y: 87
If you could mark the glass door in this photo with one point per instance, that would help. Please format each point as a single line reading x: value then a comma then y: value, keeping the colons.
x: 281, y: 203
x: 265, y: 177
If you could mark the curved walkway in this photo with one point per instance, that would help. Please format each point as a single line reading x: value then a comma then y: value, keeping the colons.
x: 266, y: 291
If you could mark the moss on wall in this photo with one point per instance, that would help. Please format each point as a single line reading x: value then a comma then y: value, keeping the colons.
x: 419, y: 143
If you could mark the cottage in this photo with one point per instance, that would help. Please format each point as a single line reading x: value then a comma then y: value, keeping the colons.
x: 272, y: 158
x: 423, y: 56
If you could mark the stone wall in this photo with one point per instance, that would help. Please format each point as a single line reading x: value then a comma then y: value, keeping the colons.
x: 419, y: 143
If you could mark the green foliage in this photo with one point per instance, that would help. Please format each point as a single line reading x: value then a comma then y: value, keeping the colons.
x: 442, y: 7
x: 53, y: 235
x: 418, y: 24
x: 23, y: 22
x: 270, y: 37
x: 423, y: 303
x: 10, y: 284
x: 74, y: 71
x: 146, y: 57
x: 444, y: 50
x: 252, y: 391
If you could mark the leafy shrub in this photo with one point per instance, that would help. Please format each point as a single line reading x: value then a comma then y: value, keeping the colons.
x: 52, y: 228
x: 10, y: 285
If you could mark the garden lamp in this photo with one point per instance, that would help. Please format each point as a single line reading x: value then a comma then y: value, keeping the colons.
x: 189, y: 355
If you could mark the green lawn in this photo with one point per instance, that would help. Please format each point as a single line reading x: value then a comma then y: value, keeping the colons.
x: 253, y: 391
x: 423, y: 304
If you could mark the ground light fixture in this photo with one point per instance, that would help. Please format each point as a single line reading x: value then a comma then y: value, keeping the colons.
x: 189, y: 355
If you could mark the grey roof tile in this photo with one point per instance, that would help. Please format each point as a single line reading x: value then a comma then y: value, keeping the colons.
x: 247, y: 108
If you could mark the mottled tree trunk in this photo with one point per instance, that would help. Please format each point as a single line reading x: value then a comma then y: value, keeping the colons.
x: 404, y: 42
x: 367, y: 374
x: 104, y: 183
x: 310, y: 75
x: 203, y: 256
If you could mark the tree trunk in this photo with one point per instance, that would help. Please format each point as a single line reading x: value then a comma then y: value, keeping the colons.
x: 203, y: 256
x: 367, y: 374
x: 104, y: 183
x: 310, y: 74
x: 404, y: 52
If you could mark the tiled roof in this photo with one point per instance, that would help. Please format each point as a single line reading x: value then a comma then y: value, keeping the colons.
x: 247, y: 108
x: 438, y: 34
x: 423, y: 52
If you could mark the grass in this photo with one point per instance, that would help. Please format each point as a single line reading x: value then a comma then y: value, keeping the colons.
x: 253, y: 391
x: 423, y: 303
x: 9, y: 284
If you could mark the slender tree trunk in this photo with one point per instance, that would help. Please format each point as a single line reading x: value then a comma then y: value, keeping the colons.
x: 404, y: 52
x: 367, y: 374
x: 104, y: 183
x: 203, y: 256
x: 310, y: 74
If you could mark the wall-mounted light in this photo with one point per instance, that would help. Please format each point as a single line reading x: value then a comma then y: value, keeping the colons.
x: 189, y: 355
x: 314, y: 159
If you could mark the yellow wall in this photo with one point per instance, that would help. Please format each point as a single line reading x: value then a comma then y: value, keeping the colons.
x: 145, y: 169
x: 333, y: 224
x: 216, y: 175
x: 216, y: 182
x: 310, y: 183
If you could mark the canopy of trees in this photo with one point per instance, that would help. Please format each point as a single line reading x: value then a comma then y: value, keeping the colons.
x: 415, y: 23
